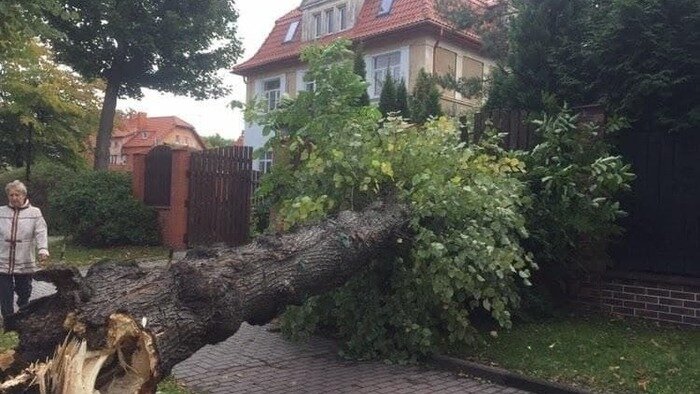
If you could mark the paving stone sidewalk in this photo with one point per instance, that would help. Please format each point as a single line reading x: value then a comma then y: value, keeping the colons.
x: 258, y: 361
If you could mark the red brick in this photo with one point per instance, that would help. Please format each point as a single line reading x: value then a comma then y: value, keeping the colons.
x: 691, y: 304
x: 671, y: 301
x: 645, y: 313
x: 683, y: 311
x: 658, y: 308
x: 634, y: 304
x: 634, y: 289
x: 682, y: 295
x: 670, y: 317
x: 647, y: 299
x: 623, y: 296
x: 658, y: 292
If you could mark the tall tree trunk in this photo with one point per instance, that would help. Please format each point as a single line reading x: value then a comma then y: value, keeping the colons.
x: 104, y: 134
x: 129, y: 326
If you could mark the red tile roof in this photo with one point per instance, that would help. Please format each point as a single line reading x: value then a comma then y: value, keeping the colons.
x: 404, y: 14
x: 157, y: 129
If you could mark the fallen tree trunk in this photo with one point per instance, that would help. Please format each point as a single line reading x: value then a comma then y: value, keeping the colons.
x: 127, y: 327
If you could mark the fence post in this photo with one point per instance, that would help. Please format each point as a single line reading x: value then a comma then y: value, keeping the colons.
x: 175, y: 223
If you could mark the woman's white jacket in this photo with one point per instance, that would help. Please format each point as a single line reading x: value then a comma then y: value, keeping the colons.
x: 22, y: 231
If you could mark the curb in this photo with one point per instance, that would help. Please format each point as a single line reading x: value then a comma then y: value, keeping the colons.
x: 503, y: 377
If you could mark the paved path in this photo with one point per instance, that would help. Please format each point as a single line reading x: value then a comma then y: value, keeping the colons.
x: 257, y: 361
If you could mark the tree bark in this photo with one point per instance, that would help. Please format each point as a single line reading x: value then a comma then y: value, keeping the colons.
x: 137, y: 324
x: 104, y: 133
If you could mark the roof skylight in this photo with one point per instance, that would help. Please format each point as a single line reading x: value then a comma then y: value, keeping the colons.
x: 291, y: 31
x: 385, y: 6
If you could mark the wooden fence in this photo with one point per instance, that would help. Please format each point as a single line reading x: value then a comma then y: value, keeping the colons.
x: 520, y: 132
x: 220, y: 196
x: 663, y: 227
x: 662, y: 230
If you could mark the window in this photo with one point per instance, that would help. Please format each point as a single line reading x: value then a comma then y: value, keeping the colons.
x: 124, y: 159
x: 177, y: 138
x: 113, y: 159
x: 292, y: 30
x: 144, y: 134
x: 318, y: 25
x: 342, y: 17
x: 386, y: 63
x: 329, y: 21
x: 302, y: 84
x: 385, y: 7
x: 271, y: 90
x: 266, y: 162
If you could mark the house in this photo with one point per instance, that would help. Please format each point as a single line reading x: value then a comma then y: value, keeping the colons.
x: 139, y: 133
x: 399, y: 37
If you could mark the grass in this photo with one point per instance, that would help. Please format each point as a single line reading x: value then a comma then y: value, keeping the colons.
x: 600, y: 353
x: 78, y: 256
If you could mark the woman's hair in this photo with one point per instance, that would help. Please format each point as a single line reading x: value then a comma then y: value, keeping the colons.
x: 16, y: 185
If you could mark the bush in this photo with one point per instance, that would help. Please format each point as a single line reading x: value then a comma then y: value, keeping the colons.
x: 575, y: 182
x: 45, y: 177
x: 98, y: 209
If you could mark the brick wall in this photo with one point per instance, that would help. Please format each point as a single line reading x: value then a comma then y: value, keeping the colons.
x: 655, y: 297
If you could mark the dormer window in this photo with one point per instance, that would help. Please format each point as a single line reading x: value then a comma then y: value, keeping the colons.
x: 385, y: 7
x: 291, y: 31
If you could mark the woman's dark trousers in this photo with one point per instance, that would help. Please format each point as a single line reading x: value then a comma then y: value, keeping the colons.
x: 10, y: 284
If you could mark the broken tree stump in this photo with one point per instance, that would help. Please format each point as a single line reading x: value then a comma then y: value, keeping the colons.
x: 122, y: 328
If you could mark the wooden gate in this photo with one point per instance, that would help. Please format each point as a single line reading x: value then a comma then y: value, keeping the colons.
x: 219, y: 200
x: 159, y: 163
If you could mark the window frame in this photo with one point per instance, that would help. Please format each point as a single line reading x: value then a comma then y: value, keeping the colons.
x: 318, y: 24
x: 328, y: 16
x: 265, y: 92
x: 385, y: 7
x: 342, y: 17
x: 291, y: 31
x: 397, y: 71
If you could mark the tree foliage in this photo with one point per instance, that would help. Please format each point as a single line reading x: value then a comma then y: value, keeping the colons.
x: 638, y: 58
x: 360, y: 68
x: 216, y: 141
x: 466, y: 204
x: 387, y: 97
x: 424, y: 101
x: 45, y: 110
x: 175, y: 46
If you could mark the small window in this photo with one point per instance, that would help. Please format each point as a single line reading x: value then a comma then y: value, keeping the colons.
x: 265, y: 164
x: 388, y: 63
x: 272, y: 93
x: 342, y: 17
x: 124, y: 159
x: 144, y: 134
x: 385, y: 6
x: 177, y: 138
x: 318, y: 25
x: 329, y: 21
x: 291, y: 31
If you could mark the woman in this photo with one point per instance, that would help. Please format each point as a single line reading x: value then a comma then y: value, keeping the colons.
x: 22, y: 230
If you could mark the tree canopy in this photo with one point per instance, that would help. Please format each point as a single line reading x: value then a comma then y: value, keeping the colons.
x: 174, y: 46
x: 45, y: 110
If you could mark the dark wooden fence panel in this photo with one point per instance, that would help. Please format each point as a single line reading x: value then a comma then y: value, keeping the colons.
x: 663, y: 228
x: 520, y: 132
x: 159, y: 163
x: 220, y: 196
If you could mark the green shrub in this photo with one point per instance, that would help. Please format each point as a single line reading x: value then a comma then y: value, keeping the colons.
x: 575, y: 182
x: 45, y: 177
x: 98, y: 209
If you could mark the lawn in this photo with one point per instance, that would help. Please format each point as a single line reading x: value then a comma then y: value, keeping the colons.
x: 599, y: 352
x: 76, y: 255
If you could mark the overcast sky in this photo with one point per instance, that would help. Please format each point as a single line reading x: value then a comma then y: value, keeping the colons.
x: 256, y: 19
